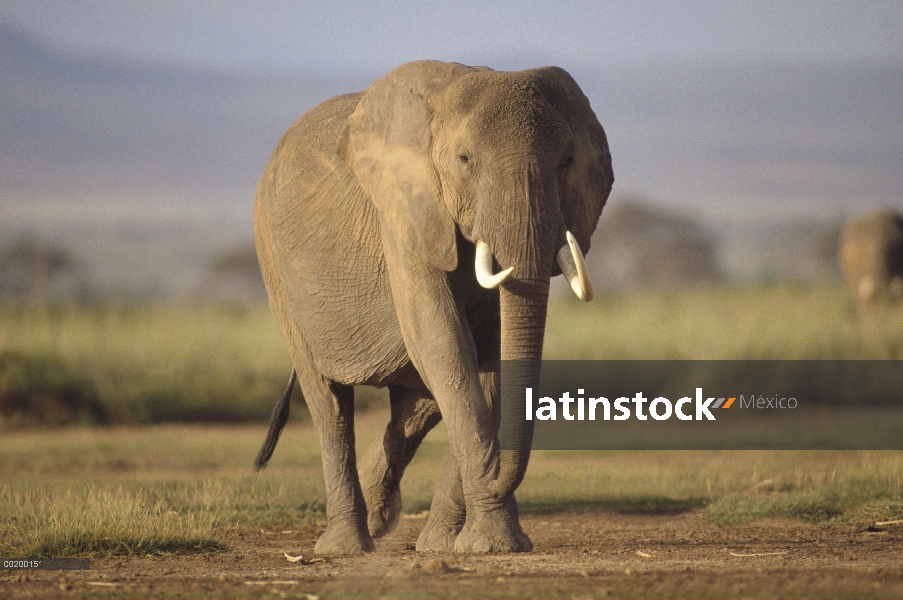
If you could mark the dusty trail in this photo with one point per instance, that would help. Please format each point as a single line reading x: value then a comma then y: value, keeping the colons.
x: 578, y: 553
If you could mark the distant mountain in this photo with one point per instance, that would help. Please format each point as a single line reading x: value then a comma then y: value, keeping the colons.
x: 86, y: 126
x: 756, y: 140
x: 147, y: 172
x: 735, y: 140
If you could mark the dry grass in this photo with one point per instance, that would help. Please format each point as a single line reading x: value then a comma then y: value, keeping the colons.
x: 92, y: 491
x: 153, y: 364
x: 173, y: 488
x: 781, y: 322
x: 99, y: 521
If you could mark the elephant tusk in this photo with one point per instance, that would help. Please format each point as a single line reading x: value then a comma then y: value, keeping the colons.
x: 570, y: 259
x: 483, y: 268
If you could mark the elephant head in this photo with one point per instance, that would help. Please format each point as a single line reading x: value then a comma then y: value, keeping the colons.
x: 516, y: 164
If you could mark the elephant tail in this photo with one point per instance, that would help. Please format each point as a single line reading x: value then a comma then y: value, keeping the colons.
x: 277, y: 422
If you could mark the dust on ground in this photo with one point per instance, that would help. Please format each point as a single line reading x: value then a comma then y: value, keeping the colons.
x: 578, y: 553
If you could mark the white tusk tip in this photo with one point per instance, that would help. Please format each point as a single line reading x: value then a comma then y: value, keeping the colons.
x: 574, y: 268
x: 483, y: 268
x: 585, y: 295
x: 493, y: 281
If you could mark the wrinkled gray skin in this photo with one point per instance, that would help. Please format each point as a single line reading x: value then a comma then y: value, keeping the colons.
x: 366, y: 220
x: 871, y: 257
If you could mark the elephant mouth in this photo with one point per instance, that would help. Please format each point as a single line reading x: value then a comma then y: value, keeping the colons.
x: 569, y: 257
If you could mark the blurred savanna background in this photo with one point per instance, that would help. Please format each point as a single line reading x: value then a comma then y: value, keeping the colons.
x: 138, y: 357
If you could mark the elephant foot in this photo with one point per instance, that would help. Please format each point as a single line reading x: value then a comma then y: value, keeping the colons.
x: 380, y: 489
x: 344, y: 538
x: 483, y: 537
x: 493, y: 531
x: 439, y: 534
x: 383, y: 510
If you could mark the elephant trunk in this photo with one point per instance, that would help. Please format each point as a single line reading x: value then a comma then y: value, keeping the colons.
x: 523, y: 234
x: 523, y: 319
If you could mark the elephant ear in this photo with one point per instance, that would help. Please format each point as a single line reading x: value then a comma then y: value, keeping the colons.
x: 387, y: 142
x: 589, y: 182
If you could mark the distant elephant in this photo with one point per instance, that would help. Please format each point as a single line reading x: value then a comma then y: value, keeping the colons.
x: 871, y: 256
x: 367, y: 219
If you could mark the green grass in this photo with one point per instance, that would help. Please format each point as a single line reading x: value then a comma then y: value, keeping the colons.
x: 727, y: 487
x: 165, y: 363
x: 153, y: 364
x: 143, y: 364
x: 780, y: 322
x: 99, y: 521
x: 88, y: 491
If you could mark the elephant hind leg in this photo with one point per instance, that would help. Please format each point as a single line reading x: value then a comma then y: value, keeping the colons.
x: 332, y: 407
x: 414, y: 414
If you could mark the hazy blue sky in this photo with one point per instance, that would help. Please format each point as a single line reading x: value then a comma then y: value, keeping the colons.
x: 734, y: 107
x: 282, y: 35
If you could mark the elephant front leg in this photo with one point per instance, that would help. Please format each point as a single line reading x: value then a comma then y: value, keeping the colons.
x: 448, y: 511
x: 332, y: 408
x: 490, y: 522
x: 441, y: 345
x: 502, y: 533
x: 414, y: 414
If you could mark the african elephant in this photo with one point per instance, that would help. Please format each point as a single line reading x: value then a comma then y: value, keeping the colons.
x: 871, y: 256
x: 407, y: 235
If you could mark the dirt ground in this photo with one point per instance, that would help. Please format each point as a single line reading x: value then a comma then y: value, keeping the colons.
x: 578, y: 553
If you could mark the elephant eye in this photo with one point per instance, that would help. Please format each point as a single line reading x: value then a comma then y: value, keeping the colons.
x: 464, y: 158
x: 569, y: 161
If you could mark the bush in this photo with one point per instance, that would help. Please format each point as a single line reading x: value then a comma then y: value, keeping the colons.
x: 40, y: 389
